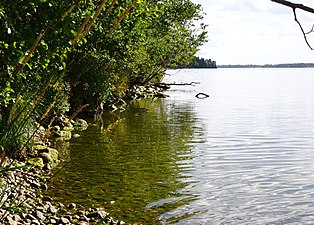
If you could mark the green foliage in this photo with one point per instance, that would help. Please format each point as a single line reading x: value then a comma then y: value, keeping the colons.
x: 89, y: 80
x: 58, y: 56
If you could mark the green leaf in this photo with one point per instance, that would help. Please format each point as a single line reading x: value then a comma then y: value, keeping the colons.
x: 13, y: 209
x: 15, y: 168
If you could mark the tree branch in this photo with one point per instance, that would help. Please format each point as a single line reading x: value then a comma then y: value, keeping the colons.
x: 295, y: 6
x: 300, y: 25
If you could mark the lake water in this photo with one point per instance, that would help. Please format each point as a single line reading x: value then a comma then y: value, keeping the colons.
x: 245, y: 155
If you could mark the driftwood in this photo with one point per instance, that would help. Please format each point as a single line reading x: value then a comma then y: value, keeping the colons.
x: 180, y: 84
x: 202, y: 95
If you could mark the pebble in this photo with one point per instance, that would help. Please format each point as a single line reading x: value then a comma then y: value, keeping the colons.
x: 53, y: 209
x: 72, y: 206
x: 16, y: 218
x: 40, y: 215
x: 64, y: 220
x: 28, y: 187
x: 35, y: 222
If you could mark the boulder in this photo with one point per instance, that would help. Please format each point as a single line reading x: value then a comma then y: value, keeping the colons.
x: 50, y: 155
x: 76, y: 135
x: 63, y: 134
x: 80, y: 124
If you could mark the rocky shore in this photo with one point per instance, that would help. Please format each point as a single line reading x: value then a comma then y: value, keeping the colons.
x: 148, y: 91
x: 23, y: 201
x: 23, y: 184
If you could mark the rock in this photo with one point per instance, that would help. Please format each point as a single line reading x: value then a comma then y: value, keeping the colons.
x: 40, y: 147
x: 80, y: 124
x: 44, y: 187
x: 53, y: 221
x: 23, y: 215
x: 35, y: 222
x: 10, y: 221
x: 99, y: 214
x: 52, y: 209
x: 76, y: 135
x: 64, y: 134
x: 37, y: 162
x: 40, y: 215
x: 56, y: 128
x: 84, y: 219
x: 35, y: 184
x: 16, y: 218
x: 47, y: 167
x: 69, y: 127
x: 26, y: 205
x: 31, y: 217
x: 50, y: 156
x: 4, y: 198
x: 72, y: 206
x: 46, y: 158
x: 77, y: 217
x: 69, y: 217
x: 64, y: 220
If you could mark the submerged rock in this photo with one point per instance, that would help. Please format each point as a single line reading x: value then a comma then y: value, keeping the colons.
x: 80, y: 124
x: 64, y: 134
x: 76, y: 135
x: 49, y: 155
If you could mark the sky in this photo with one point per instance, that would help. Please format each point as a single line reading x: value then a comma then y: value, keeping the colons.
x: 255, y: 32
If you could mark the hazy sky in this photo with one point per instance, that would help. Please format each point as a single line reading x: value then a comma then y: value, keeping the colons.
x: 255, y: 32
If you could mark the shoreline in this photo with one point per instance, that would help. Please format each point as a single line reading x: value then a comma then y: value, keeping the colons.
x: 24, y: 202
x: 23, y: 184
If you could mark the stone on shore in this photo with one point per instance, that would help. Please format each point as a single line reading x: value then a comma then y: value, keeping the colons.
x: 31, y: 206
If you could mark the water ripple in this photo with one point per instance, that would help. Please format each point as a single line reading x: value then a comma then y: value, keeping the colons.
x: 253, y: 164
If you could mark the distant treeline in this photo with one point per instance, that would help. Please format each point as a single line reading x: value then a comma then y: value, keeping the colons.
x: 284, y: 65
x: 200, y: 63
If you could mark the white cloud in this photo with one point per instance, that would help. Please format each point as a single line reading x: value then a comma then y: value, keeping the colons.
x: 257, y: 32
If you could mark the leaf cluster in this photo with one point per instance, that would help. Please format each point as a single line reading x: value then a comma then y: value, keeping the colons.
x: 57, y: 56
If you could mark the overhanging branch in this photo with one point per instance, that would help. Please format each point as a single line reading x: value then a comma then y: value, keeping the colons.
x: 295, y: 6
x: 300, y: 25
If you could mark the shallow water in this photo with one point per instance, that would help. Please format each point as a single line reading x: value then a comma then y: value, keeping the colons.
x: 244, y: 155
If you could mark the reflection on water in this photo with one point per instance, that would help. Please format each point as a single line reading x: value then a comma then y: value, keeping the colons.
x: 243, y: 156
x: 134, y: 164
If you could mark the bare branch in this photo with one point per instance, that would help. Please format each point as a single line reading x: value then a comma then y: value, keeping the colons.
x: 295, y: 6
x: 300, y: 25
x: 312, y: 30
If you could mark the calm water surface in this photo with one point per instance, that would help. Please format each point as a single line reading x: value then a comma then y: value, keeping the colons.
x: 243, y: 156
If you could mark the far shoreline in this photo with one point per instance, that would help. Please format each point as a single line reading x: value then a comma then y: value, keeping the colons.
x: 283, y: 65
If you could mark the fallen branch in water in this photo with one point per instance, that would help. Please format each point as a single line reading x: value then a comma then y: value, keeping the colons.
x: 202, y: 95
x: 170, y: 84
